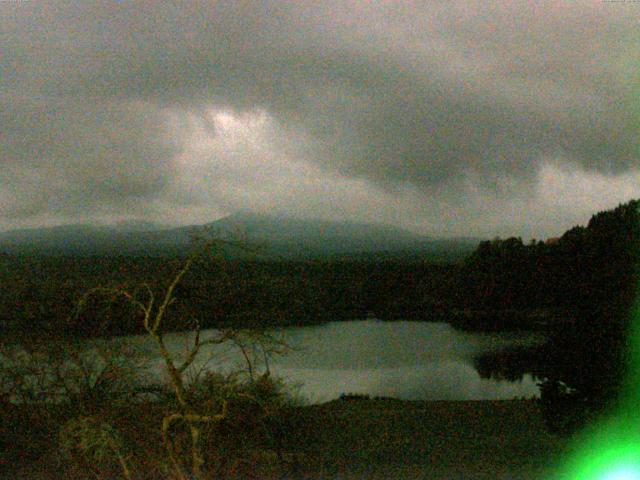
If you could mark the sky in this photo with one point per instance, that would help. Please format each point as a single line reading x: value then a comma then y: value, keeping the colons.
x: 448, y: 118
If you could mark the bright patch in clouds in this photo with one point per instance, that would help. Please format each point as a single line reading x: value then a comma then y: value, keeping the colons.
x: 250, y: 161
x: 247, y: 161
x: 585, y: 192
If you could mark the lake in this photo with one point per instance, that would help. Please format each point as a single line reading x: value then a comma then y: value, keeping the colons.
x: 404, y: 359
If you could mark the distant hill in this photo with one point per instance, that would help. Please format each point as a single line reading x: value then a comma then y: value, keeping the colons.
x: 124, y: 237
x: 278, y: 237
x: 137, y: 226
x: 302, y: 237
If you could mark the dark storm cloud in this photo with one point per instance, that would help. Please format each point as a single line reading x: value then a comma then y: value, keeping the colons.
x: 70, y: 156
x: 427, y: 94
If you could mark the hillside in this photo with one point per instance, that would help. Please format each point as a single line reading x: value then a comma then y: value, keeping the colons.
x: 276, y: 236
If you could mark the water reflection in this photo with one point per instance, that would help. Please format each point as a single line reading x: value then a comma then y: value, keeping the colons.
x: 404, y: 359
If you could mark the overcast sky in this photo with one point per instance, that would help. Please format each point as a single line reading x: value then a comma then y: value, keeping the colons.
x: 448, y: 118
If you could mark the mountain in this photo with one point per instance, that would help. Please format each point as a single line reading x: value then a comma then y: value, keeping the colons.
x: 84, y: 239
x: 315, y: 235
x: 279, y: 237
x: 138, y: 226
x: 294, y: 237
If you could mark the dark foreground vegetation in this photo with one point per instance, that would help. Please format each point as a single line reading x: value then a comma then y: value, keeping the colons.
x: 372, y: 439
x: 87, y: 416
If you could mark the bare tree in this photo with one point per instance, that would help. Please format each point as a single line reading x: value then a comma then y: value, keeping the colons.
x: 257, y: 346
x: 153, y: 308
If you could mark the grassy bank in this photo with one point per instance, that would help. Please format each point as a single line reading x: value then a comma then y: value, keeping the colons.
x: 339, y: 439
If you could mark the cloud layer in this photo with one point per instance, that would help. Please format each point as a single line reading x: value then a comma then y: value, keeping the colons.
x: 451, y: 117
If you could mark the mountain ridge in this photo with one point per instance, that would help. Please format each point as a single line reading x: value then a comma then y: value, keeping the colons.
x: 286, y: 237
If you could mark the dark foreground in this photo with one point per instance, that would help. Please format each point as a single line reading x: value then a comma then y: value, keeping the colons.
x: 435, y: 440
x: 355, y: 439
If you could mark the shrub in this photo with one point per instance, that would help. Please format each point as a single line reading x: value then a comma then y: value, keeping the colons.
x: 86, y: 375
x: 89, y: 440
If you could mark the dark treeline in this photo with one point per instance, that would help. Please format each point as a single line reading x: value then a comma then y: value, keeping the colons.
x: 589, y: 278
x: 586, y: 267
x: 42, y: 291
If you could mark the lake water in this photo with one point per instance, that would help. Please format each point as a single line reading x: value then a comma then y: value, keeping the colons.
x: 403, y: 359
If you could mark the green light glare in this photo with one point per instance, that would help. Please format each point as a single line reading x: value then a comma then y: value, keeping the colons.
x: 600, y: 459
x: 610, y: 449
x: 623, y: 473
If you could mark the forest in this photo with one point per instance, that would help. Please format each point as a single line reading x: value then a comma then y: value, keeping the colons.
x: 504, y: 283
